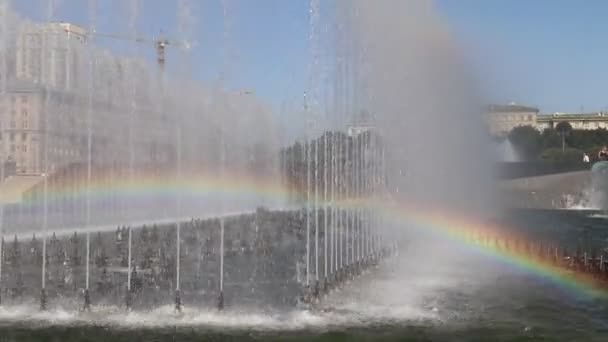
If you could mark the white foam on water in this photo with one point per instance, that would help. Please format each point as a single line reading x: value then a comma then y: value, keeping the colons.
x: 404, y: 289
x: 373, y: 298
x: 349, y: 315
x: 586, y: 200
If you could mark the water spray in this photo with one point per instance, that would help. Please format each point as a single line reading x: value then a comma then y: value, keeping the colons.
x: 326, y: 208
x: 220, y: 299
x: 47, y: 101
x: 332, y: 227
x: 92, y: 61
x: 129, y: 295
x: 308, y: 199
x: 316, y: 211
x: 4, y: 5
x: 183, y: 16
x: 347, y: 211
x: 132, y: 116
x: 1, y: 261
x: 340, y: 219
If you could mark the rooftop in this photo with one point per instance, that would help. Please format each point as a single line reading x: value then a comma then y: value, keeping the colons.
x: 13, y: 188
x: 512, y: 108
x: 573, y: 116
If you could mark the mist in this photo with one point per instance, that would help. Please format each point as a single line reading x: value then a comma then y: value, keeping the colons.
x: 426, y: 103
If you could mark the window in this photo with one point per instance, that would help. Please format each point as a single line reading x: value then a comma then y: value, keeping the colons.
x: 23, y: 136
x: 24, y: 112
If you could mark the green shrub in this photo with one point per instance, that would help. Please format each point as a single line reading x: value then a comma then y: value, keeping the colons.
x: 557, y: 155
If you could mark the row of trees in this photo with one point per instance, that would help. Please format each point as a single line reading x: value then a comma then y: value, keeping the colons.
x: 562, y: 143
x: 352, y: 164
x: 247, y: 237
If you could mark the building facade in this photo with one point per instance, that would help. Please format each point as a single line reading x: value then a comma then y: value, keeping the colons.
x: 58, y: 91
x: 585, y: 121
x: 501, y: 119
x: 20, y: 128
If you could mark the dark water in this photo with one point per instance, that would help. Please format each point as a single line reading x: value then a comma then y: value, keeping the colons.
x: 431, y: 292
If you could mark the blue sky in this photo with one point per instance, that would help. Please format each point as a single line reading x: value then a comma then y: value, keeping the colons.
x: 549, y: 53
x: 268, y: 38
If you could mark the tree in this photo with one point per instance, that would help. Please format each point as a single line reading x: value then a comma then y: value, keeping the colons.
x: 75, y: 255
x: 600, y: 136
x: 35, y: 253
x: 550, y: 138
x: 557, y: 155
x: 101, y: 260
x: 144, y: 236
x: 15, y: 256
x: 122, y: 248
x: 154, y: 235
x: 527, y: 141
x: 104, y: 281
x: 582, y: 139
x: 147, y: 258
x: 15, y: 269
x: 563, y: 128
x: 97, y: 245
x: 57, y: 253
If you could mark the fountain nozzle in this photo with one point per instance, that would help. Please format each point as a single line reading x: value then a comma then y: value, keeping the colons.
x: 87, y: 300
x: 220, y: 301
x: 178, y: 301
x: 43, y: 299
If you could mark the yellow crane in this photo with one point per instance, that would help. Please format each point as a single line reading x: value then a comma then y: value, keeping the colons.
x: 160, y: 43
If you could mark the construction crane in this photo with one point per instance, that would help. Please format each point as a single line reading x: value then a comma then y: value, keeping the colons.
x: 160, y: 44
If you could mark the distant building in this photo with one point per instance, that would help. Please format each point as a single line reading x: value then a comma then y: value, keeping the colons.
x: 65, y: 101
x: 363, y: 122
x: 50, y: 54
x: 354, y: 130
x: 48, y: 73
x: 501, y: 119
x: 585, y: 121
x: 21, y: 128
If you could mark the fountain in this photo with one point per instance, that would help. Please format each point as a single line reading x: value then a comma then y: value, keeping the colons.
x: 166, y: 191
x: 599, y: 184
x: 506, y: 152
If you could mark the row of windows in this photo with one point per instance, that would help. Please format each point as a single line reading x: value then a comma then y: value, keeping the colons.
x: 25, y: 124
x: 588, y: 125
x: 17, y: 148
x: 64, y: 152
x: 22, y: 98
x: 22, y: 166
x: 513, y: 117
x: 13, y: 110
x: 11, y: 136
x: 24, y: 113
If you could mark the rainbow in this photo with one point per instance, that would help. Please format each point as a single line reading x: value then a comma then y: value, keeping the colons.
x: 150, y: 186
x: 467, y: 232
x: 441, y: 222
